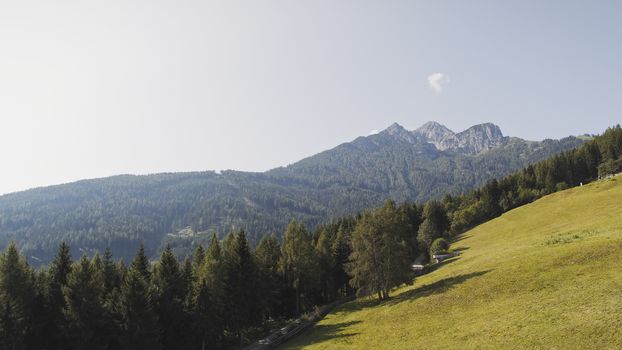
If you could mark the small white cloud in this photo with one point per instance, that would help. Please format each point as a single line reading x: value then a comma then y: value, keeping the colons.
x: 373, y: 132
x: 437, y: 81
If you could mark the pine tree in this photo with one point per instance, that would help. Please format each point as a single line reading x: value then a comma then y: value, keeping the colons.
x: 110, y: 273
x: 16, y: 298
x: 83, y: 296
x: 341, y: 253
x: 206, y: 325
x: 242, y: 286
x: 326, y: 264
x: 141, y: 264
x: 212, y: 269
x: 267, y: 256
x: 138, y: 322
x: 187, y: 278
x: 298, y: 263
x: 207, y: 298
x: 197, y: 258
x: 169, y: 292
x: 58, y: 273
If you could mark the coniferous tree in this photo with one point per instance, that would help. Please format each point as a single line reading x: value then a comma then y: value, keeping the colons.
x: 267, y: 256
x: 298, y: 263
x: 206, y: 325
x: 207, y: 299
x: 58, y: 273
x: 138, y: 322
x: 197, y: 258
x: 84, y: 313
x: 110, y: 273
x: 326, y: 264
x: 242, y: 286
x: 169, y: 290
x: 187, y: 278
x: 141, y: 264
x: 341, y: 253
x: 16, y: 298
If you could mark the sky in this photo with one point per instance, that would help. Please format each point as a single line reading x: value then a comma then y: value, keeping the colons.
x: 97, y: 88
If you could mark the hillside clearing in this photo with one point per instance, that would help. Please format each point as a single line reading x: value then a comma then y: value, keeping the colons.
x: 546, y: 275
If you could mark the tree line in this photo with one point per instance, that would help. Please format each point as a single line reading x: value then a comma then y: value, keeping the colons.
x: 227, y: 293
x: 121, y: 212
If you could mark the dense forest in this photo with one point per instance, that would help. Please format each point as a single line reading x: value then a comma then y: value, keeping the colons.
x: 184, y: 209
x: 226, y: 293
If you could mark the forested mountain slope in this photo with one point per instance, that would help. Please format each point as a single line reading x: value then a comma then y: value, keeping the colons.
x: 542, y: 276
x: 179, y: 208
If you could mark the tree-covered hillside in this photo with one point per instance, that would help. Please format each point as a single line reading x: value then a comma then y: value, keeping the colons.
x: 180, y: 208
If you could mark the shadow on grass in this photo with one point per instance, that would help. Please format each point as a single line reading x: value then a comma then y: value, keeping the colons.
x: 434, y: 288
x: 321, y: 333
x: 435, y: 267
x: 460, y: 237
x: 459, y: 250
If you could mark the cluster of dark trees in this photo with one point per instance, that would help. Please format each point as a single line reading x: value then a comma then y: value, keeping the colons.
x: 227, y: 293
x: 219, y: 297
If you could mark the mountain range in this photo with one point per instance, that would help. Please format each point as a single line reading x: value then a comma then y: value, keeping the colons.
x: 182, y: 208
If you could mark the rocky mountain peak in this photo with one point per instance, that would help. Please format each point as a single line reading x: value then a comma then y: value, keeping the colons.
x: 394, y: 129
x: 435, y: 133
x: 398, y: 132
x: 474, y: 140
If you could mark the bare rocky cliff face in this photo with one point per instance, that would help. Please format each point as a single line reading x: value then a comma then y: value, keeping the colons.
x: 474, y: 140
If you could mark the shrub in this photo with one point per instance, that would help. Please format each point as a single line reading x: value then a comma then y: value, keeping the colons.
x: 439, y: 246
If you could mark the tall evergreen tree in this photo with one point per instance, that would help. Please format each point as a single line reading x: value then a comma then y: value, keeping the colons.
x: 58, y: 273
x: 16, y: 298
x: 298, y: 263
x: 197, y: 258
x: 267, y: 256
x: 84, y: 314
x: 141, y: 264
x: 341, y: 253
x: 110, y: 273
x: 242, y: 286
x: 138, y: 322
x: 169, y: 292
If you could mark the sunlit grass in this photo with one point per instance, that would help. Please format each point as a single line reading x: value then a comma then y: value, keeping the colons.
x: 544, y: 276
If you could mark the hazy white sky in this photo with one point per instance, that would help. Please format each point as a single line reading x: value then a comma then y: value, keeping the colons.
x: 96, y: 88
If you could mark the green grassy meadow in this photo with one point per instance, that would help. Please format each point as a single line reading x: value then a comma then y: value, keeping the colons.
x: 547, y: 275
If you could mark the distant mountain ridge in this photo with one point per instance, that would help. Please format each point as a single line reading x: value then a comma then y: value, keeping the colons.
x: 121, y: 211
x: 474, y: 140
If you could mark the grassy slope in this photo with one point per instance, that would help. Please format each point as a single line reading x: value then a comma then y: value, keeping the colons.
x: 544, y: 276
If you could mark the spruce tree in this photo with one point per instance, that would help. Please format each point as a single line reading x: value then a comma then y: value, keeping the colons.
x: 341, y: 253
x: 197, y: 258
x: 138, y: 322
x: 57, y: 275
x: 208, y: 295
x: 242, y: 286
x: 85, y: 313
x: 141, y: 264
x: 298, y: 263
x: 16, y: 298
x: 168, y: 287
x: 110, y: 273
x: 267, y: 256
